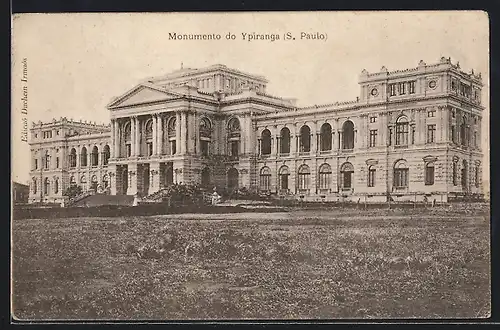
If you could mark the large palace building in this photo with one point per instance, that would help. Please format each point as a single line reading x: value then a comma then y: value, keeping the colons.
x: 411, y: 134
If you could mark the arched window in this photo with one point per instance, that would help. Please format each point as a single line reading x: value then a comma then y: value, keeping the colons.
x: 305, y: 139
x: 46, y: 186
x: 56, y: 186
x: 205, y: 136
x: 465, y: 171
x: 401, y: 174
x: 233, y: 125
x: 346, y: 173
x: 304, y: 174
x: 171, y: 134
x: 105, y: 155
x: 326, y: 137
x: 83, y: 157
x: 402, y: 131
x: 371, y: 176
x: 285, y: 141
x: 265, y: 147
x: 325, y: 174
x: 72, y: 181
x: 265, y: 178
x: 83, y: 181
x: 233, y: 128
x: 34, y: 186
x: 205, y: 177
x: 94, y: 182
x: 72, y: 158
x: 94, y: 157
x: 429, y: 174
x: 148, y: 130
x: 283, y: 177
x: 105, y: 181
x: 127, y: 137
x: 348, y: 135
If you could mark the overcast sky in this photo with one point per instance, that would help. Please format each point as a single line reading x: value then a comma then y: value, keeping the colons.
x: 78, y: 62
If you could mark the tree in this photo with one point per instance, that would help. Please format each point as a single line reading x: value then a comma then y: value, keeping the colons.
x: 73, y: 191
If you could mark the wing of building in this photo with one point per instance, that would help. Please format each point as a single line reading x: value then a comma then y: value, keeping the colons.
x: 411, y: 134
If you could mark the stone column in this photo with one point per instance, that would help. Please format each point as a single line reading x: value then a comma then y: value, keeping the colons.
x: 341, y: 138
x: 113, y: 138
x: 137, y: 137
x: 155, y: 133
x: 159, y: 142
x: 132, y: 136
x: 177, y: 133
x: 184, y: 132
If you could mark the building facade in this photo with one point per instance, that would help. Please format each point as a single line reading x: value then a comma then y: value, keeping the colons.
x: 411, y: 134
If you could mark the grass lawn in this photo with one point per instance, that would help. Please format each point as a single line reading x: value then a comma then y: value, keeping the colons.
x: 302, y: 264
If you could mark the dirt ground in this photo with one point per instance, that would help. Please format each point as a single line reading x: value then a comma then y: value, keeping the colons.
x: 303, y: 264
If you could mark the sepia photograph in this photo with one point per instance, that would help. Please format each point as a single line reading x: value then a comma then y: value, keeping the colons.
x: 250, y: 166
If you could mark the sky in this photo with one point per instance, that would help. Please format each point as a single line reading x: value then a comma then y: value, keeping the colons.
x: 76, y: 63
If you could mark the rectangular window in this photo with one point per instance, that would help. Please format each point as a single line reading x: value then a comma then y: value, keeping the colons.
x: 431, y: 133
x: 413, y: 134
x: 431, y: 113
x: 402, y: 88
x: 129, y: 150
x: 453, y: 138
x: 429, y: 175
x: 390, y: 136
x: 36, y: 164
x: 373, y: 137
x: 373, y: 119
x: 371, y: 176
x: 411, y: 87
x: 475, y: 140
x: 392, y: 88
x: 401, y: 177
x: 57, y: 162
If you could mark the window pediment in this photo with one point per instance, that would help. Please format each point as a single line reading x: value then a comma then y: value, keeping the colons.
x: 429, y: 159
x: 370, y: 162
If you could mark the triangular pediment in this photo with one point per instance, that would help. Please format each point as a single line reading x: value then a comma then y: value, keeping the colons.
x: 141, y: 95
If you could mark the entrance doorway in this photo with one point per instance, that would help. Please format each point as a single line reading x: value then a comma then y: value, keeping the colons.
x: 232, y: 179
x: 205, y: 177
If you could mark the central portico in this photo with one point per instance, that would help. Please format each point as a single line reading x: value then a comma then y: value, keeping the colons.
x: 173, y: 129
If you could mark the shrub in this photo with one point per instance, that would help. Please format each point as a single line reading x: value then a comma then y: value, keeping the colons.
x: 72, y: 191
